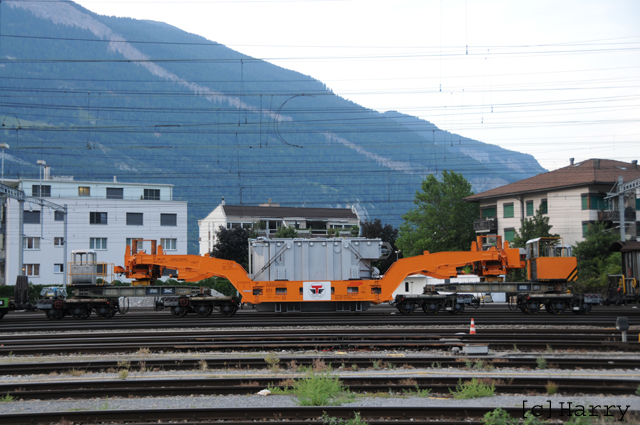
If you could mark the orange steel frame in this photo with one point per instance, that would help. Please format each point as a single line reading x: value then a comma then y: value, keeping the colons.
x: 489, y: 264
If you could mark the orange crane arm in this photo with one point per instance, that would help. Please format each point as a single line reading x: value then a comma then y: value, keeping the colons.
x: 141, y: 266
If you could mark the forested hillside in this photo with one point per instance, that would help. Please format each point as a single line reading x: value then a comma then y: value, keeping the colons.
x: 98, y: 97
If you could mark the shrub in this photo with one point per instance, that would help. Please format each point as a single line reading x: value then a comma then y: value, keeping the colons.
x: 473, y: 389
x: 320, y: 390
x: 316, y: 390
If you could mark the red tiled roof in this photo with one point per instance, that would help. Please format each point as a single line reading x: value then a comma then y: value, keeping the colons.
x: 591, y: 171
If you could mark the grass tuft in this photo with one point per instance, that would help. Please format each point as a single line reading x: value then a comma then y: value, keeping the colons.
x: 273, y: 361
x: 7, y: 398
x: 321, y: 389
x: 357, y: 420
x: 473, y: 389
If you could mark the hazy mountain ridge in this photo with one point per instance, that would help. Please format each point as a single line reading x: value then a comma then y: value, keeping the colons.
x: 213, y: 126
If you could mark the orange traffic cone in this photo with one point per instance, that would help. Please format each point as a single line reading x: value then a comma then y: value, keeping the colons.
x: 472, y: 331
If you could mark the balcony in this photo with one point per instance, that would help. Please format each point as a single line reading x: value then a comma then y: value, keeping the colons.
x: 614, y: 216
x: 485, y: 225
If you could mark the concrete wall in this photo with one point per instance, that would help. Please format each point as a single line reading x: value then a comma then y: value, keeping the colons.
x: 208, y: 228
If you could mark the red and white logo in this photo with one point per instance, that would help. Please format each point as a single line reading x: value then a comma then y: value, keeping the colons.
x: 316, y: 291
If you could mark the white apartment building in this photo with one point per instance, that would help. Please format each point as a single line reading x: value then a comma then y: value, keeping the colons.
x: 269, y: 217
x: 102, y: 216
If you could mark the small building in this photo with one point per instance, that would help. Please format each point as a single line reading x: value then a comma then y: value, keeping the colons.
x: 267, y: 218
x: 36, y: 240
x: 572, y: 197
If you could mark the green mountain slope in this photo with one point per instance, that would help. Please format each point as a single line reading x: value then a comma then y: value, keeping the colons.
x: 99, y: 96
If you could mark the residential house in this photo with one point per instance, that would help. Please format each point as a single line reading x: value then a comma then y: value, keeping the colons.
x: 269, y: 217
x: 572, y: 197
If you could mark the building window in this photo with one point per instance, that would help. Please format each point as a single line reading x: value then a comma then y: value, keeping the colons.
x: 593, y: 202
x: 31, y: 270
x: 58, y: 268
x: 489, y: 212
x: 97, y: 218
x: 115, y: 193
x: 130, y: 241
x: 41, y: 191
x: 98, y: 243
x: 406, y: 287
x: 585, y: 229
x: 31, y: 217
x: 508, y: 210
x: 509, y: 234
x: 543, y: 206
x: 152, y: 194
x: 58, y: 216
x: 529, y: 208
x: 31, y: 243
x: 168, y: 219
x: 58, y: 241
x: 134, y: 219
x: 84, y: 191
x: 168, y: 244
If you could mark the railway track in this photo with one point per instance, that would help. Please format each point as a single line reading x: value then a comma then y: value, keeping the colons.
x: 326, y: 340
x: 355, y: 362
x: 250, y: 385
x: 376, y: 316
x: 289, y: 415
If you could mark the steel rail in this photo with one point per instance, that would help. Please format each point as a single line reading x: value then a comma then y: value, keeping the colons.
x: 20, y: 321
x: 360, y: 362
x: 263, y: 415
x: 226, y: 386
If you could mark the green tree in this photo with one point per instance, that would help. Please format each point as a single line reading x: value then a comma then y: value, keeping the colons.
x: 441, y: 221
x: 219, y: 284
x: 286, y: 232
x: 531, y: 228
x: 595, y: 261
x: 233, y: 244
x: 387, y: 233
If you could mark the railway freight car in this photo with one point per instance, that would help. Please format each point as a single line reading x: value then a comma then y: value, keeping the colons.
x: 333, y: 274
x: 625, y: 288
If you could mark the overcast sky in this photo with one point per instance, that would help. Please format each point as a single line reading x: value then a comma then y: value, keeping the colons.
x: 553, y: 78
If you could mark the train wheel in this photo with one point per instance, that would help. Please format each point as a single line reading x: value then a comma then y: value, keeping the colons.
x: 104, y: 312
x: 51, y: 314
x: 79, y: 312
x: 204, y: 310
x: 556, y: 308
x: 457, y: 308
x: 430, y: 308
x: 179, y: 311
x: 406, y: 308
x: 228, y: 309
